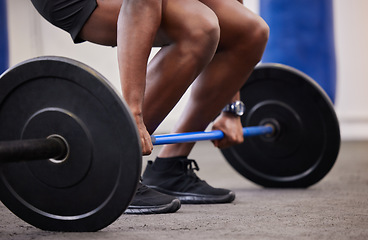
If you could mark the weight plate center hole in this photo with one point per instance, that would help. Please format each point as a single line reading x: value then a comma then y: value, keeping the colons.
x: 65, y: 155
x: 274, y: 124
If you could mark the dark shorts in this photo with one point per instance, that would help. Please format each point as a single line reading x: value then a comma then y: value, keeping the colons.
x: 69, y: 15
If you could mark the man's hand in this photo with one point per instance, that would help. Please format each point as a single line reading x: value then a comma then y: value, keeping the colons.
x: 144, y: 135
x: 232, y: 128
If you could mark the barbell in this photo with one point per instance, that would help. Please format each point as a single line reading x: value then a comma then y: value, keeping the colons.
x: 70, y: 152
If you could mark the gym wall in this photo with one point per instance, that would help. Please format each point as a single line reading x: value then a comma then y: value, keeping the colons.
x: 4, y: 54
x: 31, y: 36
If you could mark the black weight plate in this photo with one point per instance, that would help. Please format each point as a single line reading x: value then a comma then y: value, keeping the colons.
x: 307, y: 145
x: 94, y: 186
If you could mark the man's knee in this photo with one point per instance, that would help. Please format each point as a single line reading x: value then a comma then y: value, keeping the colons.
x: 254, y: 38
x: 201, y: 33
x: 261, y: 32
x: 205, y: 29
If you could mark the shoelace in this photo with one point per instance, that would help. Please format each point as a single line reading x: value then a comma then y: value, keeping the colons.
x: 188, y: 163
x: 142, y: 188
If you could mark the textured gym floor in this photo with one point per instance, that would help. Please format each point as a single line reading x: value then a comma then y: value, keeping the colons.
x: 334, y: 208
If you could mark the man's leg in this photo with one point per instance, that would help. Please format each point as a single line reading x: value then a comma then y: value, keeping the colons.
x: 243, y: 39
x: 242, y: 42
x: 194, y: 32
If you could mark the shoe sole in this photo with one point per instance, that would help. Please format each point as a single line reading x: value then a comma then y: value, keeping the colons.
x: 193, y: 198
x: 167, y: 208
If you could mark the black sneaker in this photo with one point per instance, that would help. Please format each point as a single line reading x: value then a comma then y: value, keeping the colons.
x: 180, y: 181
x: 149, y: 201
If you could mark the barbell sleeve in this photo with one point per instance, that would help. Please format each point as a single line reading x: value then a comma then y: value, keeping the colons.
x: 32, y: 149
x: 210, y: 135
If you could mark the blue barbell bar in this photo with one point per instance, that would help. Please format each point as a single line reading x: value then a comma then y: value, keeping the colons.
x: 203, y: 136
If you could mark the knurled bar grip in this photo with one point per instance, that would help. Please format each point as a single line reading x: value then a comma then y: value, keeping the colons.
x: 203, y: 136
x: 32, y: 149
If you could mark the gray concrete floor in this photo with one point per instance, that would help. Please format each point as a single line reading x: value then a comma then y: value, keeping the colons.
x: 334, y: 208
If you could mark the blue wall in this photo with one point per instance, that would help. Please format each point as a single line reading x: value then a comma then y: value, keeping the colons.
x: 302, y: 36
x: 4, y: 52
